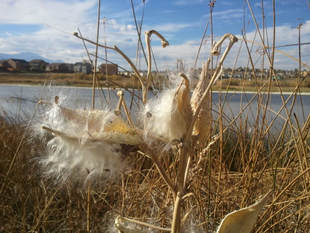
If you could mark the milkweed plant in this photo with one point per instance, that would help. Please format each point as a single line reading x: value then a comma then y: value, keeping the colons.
x: 86, y: 145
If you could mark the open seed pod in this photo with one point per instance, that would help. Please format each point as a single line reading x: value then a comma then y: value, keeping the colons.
x: 243, y: 220
x: 169, y: 115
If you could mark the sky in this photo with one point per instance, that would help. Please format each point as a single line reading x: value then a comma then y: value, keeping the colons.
x: 46, y: 27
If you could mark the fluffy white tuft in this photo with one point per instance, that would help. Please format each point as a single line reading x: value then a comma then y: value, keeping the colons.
x: 84, y: 144
x: 162, y: 117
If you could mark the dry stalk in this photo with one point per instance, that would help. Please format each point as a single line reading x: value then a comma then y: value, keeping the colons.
x: 121, y: 102
x: 6, y: 178
x: 117, y: 111
x: 161, y: 171
x: 115, y: 48
x: 144, y: 84
x: 217, y: 72
x: 120, y: 223
x: 185, y: 147
x: 164, y: 43
x: 96, y: 54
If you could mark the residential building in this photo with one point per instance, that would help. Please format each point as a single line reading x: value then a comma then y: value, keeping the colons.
x: 37, y: 65
x: 59, y: 67
x: 82, y: 67
x: 4, y: 65
x: 109, y: 69
x: 18, y: 65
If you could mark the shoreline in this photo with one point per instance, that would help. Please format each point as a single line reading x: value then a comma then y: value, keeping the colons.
x: 214, y: 91
x: 262, y: 92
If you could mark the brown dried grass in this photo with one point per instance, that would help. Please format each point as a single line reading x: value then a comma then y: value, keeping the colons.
x: 251, y: 166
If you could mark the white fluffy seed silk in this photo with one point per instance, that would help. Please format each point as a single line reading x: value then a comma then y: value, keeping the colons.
x: 85, y: 143
x: 162, y: 117
x: 169, y: 115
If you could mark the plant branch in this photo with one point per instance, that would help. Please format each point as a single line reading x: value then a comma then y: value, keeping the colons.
x: 164, y: 43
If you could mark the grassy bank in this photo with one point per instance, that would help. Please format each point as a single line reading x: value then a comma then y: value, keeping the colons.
x: 85, y: 80
x: 288, y: 85
x: 67, y: 79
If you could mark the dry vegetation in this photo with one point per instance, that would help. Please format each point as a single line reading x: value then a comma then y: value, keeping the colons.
x: 287, y: 85
x: 188, y: 187
x: 67, y: 79
x: 238, y: 168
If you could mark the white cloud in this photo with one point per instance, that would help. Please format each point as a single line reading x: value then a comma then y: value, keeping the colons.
x: 284, y: 35
x: 54, y: 39
x: 66, y: 14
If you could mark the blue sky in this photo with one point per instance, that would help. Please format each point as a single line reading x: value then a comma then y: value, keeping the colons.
x: 45, y: 27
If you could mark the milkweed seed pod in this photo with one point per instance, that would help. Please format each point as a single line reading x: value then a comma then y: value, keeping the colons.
x: 243, y: 220
x: 86, y: 143
x: 169, y: 115
x: 203, y: 124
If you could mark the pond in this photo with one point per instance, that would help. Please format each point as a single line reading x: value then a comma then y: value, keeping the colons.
x: 20, y: 101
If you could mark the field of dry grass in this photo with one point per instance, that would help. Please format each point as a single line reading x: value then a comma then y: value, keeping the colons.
x: 185, y: 179
x: 237, y: 169
x: 66, y: 79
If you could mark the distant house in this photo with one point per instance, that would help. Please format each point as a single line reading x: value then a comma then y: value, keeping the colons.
x: 68, y: 67
x: 37, y: 65
x: 4, y: 65
x: 59, y: 67
x: 109, y: 69
x: 18, y: 65
x: 82, y: 67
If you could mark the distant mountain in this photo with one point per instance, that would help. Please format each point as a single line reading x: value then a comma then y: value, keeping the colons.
x: 26, y: 56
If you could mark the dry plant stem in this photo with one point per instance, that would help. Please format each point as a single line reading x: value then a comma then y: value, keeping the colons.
x: 185, y: 147
x: 138, y: 29
x: 161, y: 171
x: 216, y: 74
x: 88, y: 54
x: 164, y: 43
x: 201, y: 41
x: 271, y: 65
x: 282, y: 219
x: 34, y: 228
x: 121, y: 102
x: 282, y: 192
x: 176, y: 217
x: 17, y: 150
x: 117, y: 111
x: 128, y: 115
x: 259, y: 33
x: 131, y: 64
x: 115, y: 48
x: 143, y: 224
x: 96, y: 53
x: 88, y: 208
x: 282, y: 52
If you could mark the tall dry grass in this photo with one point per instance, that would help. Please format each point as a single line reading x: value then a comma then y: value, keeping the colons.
x: 238, y: 168
x: 240, y: 161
